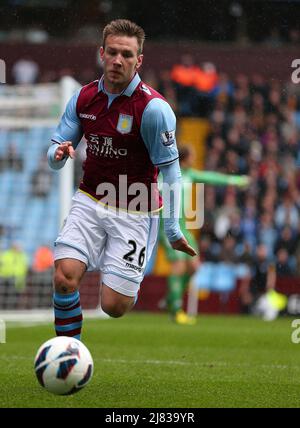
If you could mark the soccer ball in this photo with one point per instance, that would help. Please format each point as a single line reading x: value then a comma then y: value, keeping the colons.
x: 63, y: 365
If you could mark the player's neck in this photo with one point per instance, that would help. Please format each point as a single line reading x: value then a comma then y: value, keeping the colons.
x: 114, y: 89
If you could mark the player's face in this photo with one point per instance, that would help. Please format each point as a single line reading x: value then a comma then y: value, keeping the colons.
x: 120, y: 61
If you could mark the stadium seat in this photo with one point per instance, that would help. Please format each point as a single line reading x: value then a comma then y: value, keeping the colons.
x: 203, y: 278
x: 224, y: 277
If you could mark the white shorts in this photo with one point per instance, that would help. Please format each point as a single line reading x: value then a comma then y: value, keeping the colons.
x: 119, y: 244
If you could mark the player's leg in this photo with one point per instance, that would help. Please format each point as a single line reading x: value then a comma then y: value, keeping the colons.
x: 77, y: 248
x: 175, y: 287
x: 192, y: 304
x: 193, y: 264
x: 115, y: 304
x: 182, y: 266
x: 67, y: 275
x: 177, y: 262
x: 130, y: 242
x: 66, y: 297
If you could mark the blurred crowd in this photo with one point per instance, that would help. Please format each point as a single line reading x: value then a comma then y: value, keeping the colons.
x: 254, y: 130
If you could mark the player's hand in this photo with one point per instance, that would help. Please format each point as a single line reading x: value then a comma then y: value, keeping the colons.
x: 183, y: 245
x: 64, y: 150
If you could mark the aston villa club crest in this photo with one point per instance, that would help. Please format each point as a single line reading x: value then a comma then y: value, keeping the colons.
x: 125, y: 123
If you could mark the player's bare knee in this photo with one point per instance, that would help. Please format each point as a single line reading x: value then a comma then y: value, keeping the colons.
x: 64, y: 284
x: 114, y: 310
x: 113, y: 313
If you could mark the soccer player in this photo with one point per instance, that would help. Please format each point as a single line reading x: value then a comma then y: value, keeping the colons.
x: 182, y: 265
x: 130, y: 133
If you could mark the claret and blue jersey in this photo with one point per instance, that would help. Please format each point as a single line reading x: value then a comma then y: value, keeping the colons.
x: 131, y: 134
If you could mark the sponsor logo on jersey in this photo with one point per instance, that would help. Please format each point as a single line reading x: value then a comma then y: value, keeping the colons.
x: 103, y: 147
x: 87, y: 116
x: 125, y: 123
x: 168, y: 138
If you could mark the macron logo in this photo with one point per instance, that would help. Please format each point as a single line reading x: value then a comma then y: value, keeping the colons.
x: 87, y: 116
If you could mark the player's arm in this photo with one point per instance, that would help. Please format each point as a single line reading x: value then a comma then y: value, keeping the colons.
x: 66, y: 137
x: 219, y: 179
x: 171, y: 194
x: 158, y: 131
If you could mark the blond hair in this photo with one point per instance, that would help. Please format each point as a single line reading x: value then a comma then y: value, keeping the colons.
x: 124, y: 27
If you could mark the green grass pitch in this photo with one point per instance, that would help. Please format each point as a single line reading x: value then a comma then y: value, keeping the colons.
x: 144, y: 360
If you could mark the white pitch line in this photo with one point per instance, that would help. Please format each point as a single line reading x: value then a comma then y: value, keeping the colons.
x: 171, y: 363
x: 190, y: 363
x: 31, y: 318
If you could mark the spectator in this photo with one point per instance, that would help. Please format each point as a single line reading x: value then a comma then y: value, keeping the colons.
x: 263, y: 279
x: 183, y: 78
x: 224, y: 89
x: 235, y: 229
x: 267, y: 234
x: 283, y: 265
x: 25, y: 71
x: 14, y: 266
x: 206, y: 78
x: 287, y: 240
x: 209, y: 210
x: 41, y: 180
x: 205, y: 248
x: 224, y: 215
x: 228, y: 250
x: 287, y: 214
x: 42, y: 260
x: 11, y: 159
x: 249, y: 222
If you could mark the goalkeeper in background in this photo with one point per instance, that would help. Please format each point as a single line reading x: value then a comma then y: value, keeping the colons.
x: 183, y: 265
